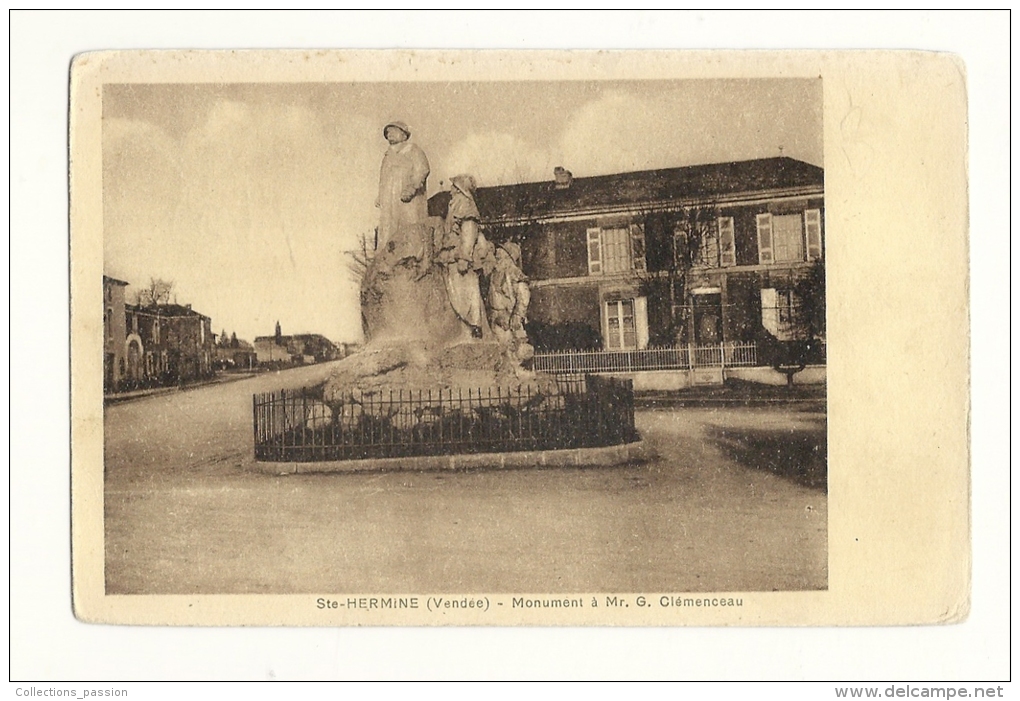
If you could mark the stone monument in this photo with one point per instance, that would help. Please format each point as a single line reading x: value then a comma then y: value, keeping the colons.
x: 426, y: 324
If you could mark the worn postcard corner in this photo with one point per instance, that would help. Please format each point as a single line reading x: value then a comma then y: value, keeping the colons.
x: 404, y: 338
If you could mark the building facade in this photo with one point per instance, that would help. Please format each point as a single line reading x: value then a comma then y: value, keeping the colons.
x: 708, y: 254
x: 167, y: 344
x: 235, y: 355
x: 301, y: 348
x: 114, y: 333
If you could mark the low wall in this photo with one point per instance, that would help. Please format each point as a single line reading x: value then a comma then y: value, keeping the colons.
x: 670, y: 380
x: 811, y: 375
x: 609, y: 456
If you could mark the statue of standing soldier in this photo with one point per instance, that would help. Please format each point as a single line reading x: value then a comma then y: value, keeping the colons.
x: 403, y: 207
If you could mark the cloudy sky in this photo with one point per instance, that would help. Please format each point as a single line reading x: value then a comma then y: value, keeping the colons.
x: 247, y: 195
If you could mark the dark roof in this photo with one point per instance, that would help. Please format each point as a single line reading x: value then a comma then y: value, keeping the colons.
x: 295, y: 337
x: 641, y: 188
x: 165, y: 310
x: 114, y: 281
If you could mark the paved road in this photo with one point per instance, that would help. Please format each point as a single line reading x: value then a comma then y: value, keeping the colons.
x: 735, y: 502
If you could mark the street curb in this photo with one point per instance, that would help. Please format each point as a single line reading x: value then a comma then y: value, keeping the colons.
x: 120, y: 398
x: 678, y: 403
x: 609, y: 456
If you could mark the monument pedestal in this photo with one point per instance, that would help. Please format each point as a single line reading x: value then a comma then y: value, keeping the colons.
x: 416, y: 341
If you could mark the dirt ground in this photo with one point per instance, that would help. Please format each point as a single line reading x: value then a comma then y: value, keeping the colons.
x: 735, y: 501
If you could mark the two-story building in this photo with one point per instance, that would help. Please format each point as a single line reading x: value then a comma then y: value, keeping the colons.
x: 114, y: 333
x: 168, y: 343
x: 703, y: 254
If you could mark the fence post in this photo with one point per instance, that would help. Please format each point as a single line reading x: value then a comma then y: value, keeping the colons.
x: 255, y: 421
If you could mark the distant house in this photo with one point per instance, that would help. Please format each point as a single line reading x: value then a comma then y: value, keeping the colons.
x: 168, y: 344
x: 602, y: 252
x: 236, y: 354
x: 114, y: 334
x: 298, y: 348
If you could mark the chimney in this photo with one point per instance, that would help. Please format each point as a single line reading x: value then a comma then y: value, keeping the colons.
x: 563, y: 177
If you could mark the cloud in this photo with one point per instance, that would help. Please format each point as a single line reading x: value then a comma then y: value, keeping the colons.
x: 690, y: 123
x: 616, y: 132
x: 141, y: 186
x: 497, y: 159
x: 248, y: 212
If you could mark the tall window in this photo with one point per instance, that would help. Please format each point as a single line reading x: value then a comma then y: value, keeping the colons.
x: 625, y: 323
x: 787, y: 307
x: 788, y: 238
x: 708, y: 251
x: 717, y: 246
x: 621, y: 327
x: 616, y: 250
x: 780, y: 313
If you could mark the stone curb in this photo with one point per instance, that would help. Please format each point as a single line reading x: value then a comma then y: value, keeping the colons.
x: 671, y: 403
x: 609, y: 456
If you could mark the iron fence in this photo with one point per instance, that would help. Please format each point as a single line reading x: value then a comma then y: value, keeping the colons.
x: 667, y: 358
x: 298, y: 426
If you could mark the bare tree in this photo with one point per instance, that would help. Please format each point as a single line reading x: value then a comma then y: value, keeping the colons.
x: 690, y: 237
x: 159, y: 291
x: 792, y: 356
x: 810, y: 291
x: 360, y: 258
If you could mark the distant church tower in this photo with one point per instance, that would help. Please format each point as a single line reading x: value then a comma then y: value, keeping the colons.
x: 279, y: 333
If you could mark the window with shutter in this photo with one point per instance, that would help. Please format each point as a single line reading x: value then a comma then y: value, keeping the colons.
x: 637, y: 247
x: 770, y: 310
x: 616, y: 256
x: 621, y: 325
x: 594, y: 251
x: 727, y: 245
x: 813, y: 233
x: 765, y: 240
x: 708, y: 251
x: 787, y: 238
x: 641, y: 321
x: 618, y: 250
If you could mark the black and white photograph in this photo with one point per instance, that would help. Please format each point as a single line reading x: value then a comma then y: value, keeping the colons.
x: 501, y: 337
x: 470, y: 345
x: 438, y: 342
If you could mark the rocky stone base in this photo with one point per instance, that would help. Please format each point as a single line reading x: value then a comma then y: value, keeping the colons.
x: 462, y: 369
x: 416, y: 341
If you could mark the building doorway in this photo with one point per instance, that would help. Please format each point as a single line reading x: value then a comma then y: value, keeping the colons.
x: 109, y: 360
x: 707, y: 313
x: 134, y: 360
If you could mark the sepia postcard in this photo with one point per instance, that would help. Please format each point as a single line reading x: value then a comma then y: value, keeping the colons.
x: 490, y: 338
